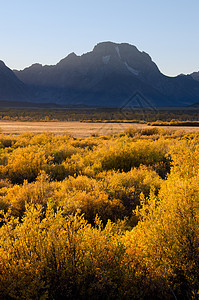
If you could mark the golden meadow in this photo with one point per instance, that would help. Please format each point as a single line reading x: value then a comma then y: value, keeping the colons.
x: 106, y: 217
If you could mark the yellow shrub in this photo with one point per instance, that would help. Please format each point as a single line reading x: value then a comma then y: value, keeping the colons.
x: 168, y: 234
x: 26, y: 163
x: 85, y: 194
x: 38, y: 192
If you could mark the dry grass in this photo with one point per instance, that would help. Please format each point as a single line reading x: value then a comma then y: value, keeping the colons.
x: 76, y: 129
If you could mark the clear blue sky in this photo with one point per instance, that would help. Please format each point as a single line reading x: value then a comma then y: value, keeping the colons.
x: 46, y: 31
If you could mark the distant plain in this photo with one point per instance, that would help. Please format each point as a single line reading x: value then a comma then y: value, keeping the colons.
x: 76, y: 129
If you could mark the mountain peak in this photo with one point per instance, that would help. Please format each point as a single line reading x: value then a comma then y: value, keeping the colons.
x: 11, y: 88
x: 70, y: 58
x: 2, y: 64
x: 108, y: 47
x: 126, y: 53
x: 36, y: 66
x: 195, y: 75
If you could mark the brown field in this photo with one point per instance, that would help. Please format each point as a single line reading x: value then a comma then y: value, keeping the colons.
x: 76, y: 129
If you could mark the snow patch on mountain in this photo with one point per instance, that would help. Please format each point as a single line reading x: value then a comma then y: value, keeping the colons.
x: 133, y: 71
x: 118, y: 51
x: 106, y: 59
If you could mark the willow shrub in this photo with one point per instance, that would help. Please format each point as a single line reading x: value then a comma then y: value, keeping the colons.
x: 112, y: 195
x: 17, y: 197
x: 168, y: 233
x: 128, y: 186
x: 49, y: 256
x: 86, y: 195
x: 123, y: 154
x: 117, y: 154
x: 61, y: 156
x: 26, y: 163
x: 52, y: 252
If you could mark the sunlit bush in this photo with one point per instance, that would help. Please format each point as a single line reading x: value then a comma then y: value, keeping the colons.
x: 39, y: 192
x: 113, y: 217
x: 128, y: 186
x: 86, y: 195
x: 26, y: 163
x: 168, y: 231
x: 50, y: 256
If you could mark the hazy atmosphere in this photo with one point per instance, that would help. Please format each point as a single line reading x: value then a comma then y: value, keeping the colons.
x: 46, y: 31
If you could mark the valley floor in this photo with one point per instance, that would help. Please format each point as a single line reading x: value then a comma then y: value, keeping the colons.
x: 76, y: 129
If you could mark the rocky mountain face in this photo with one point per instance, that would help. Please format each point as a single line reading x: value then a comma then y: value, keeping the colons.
x: 113, y: 75
x: 195, y: 75
x: 11, y: 88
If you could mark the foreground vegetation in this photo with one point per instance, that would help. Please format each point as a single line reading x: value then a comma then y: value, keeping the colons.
x: 108, y: 217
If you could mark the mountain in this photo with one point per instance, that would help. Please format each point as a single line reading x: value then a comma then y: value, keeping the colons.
x: 11, y: 88
x: 114, y: 75
x: 195, y: 75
